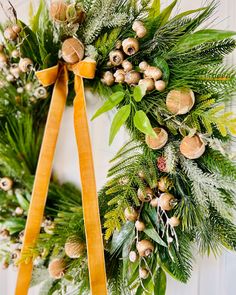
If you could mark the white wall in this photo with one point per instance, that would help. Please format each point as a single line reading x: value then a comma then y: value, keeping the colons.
x: 210, y: 276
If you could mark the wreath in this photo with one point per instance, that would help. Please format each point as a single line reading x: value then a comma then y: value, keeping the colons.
x: 170, y: 187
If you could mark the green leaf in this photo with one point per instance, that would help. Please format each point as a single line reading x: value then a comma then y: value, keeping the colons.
x: 24, y: 204
x: 139, y: 92
x: 143, y: 124
x: 160, y: 282
x: 114, y: 100
x: 210, y: 35
x: 119, y: 119
x: 163, y: 65
x: 188, y: 12
x: 165, y: 14
x: 155, y: 9
x: 34, y: 19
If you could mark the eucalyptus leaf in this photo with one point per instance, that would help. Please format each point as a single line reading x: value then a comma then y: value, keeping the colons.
x: 142, y: 123
x: 114, y: 100
x: 160, y: 282
x: 139, y: 92
x: 119, y: 119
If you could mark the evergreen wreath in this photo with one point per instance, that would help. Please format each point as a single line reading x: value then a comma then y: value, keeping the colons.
x: 170, y: 187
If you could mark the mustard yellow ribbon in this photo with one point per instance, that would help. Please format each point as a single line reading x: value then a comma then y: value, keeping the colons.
x: 95, y: 250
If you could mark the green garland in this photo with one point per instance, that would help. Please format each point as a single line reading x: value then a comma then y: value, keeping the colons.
x: 169, y: 187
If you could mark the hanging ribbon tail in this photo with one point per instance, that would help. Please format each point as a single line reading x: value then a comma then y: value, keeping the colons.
x: 95, y: 248
x: 59, y: 75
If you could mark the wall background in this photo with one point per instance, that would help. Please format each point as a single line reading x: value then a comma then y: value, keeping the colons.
x: 211, y: 276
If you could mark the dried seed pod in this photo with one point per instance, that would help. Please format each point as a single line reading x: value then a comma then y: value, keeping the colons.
x: 137, y: 24
x: 15, y: 53
x: 49, y: 228
x: 16, y: 28
x: 108, y: 78
x: 120, y: 78
x: 130, y: 46
x: 143, y: 273
x: 10, y: 78
x: 180, y: 102
x: 132, y: 78
x: 57, y: 268
x: 19, y: 211
x: 154, y: 202
x: 21, y: 236
x: 145, y: 248
x: 163, y: 184
x: 6, y: 184
x: 145, y: 196
x: 153, y: 72
x: 131, y: 214
x: 139, y: 225
x: 25, y: 65
x: 58, y: 11
x: 15, y: 71
x: 192, y: 147
x: 4, y: 233
x: 148, y: 82
x: 158, y: 142
x: 118, y: 72
x: 166, y: 201
x: 127, y: 66
x: 118, y: 44
x: 143, y: 66
x: 75, y: 14
x: 9, y: 34
x: 74, y: 247
x: 141, y: 32
x: 160, y: 85
x: 16, y: 255
x: 116, y: 57
x: 3, y: 58
x: 133, y: 256
x: 72, y: 50
x: 141, y: 174
x: 174, y: 221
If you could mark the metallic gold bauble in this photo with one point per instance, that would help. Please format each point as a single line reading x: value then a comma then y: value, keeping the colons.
x: 158, y: 142
x: 153, y: 72
x: 58, y: 11
x: 25, y: 65
x: 108, y: 78
x: 180, y: 102
x: 143, y: 273
x: 192, y: 147
x: 72, y: 50
x: 145, y: 248
x: 160, y: 85
x: 131, y: 214
x: 174, y: 221
x: 145, y: 196
x: 166, y: 201
x: 130, y: 46
x: 74, y: 247
x: 116, y: 57
x: 56, y: 268
x: 140, y: 226
x: 148, y: 82
x: 132, y: 78
x: 9, y: 34
x: 6, y: 184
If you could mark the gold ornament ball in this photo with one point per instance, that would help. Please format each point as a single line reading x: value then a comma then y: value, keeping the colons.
x: 72, y: 50
x: 9, y: 34
x: 145, y: 248
x: 6, y: 183
x: 127, y: 66
x: 132, y: 78
x: 116, y: 57
x: 133, y: 257
x: 180, y: 102
x: 139, y: 225
x: 165, y: 201
x: 192, y: 147
x: 143, y: 273
x: 16, y: 28
x: 25, y: 65
x: 174, y: 221
x: 160, y: 85
x: 130, y: 46
x: 158, y: 142
x: 74, y: 247
x: 56, y: 268
x: 148, y: 82
x: 143, y: 66
x: 108, y: 78
x: 131, y: 214
x: 58, y: 11
x: 153, y: 72
x: 154, y: 202
x: 145, y: 196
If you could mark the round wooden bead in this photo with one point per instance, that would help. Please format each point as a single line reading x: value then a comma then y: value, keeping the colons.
x: 130, y: 46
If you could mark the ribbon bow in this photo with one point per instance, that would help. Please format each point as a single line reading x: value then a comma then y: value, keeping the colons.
x: 95, y: 250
